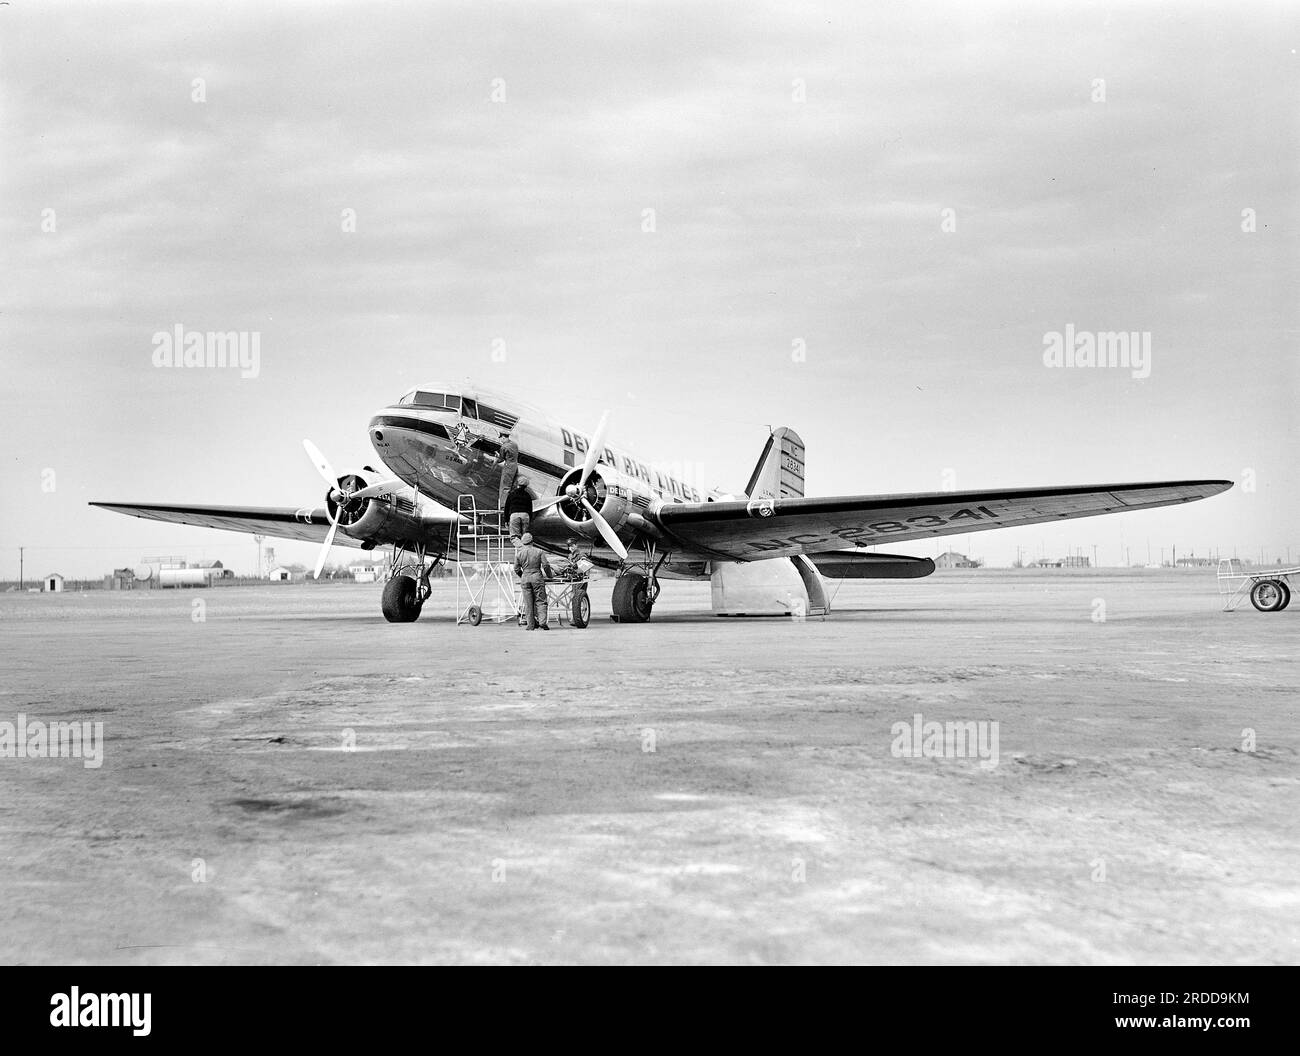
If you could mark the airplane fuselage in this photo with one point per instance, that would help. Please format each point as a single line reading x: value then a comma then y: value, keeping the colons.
x: 447, y: 444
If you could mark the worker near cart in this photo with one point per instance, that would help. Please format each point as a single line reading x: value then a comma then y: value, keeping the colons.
x: 575, y: 566
x: 508, y: 456
x: 519, y: 510
x: 533, y: 570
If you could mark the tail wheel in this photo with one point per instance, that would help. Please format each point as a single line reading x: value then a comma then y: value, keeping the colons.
x: 580, y: 609
x: 475, y: 615
x: 401, y: 602
x: 631, y: 601
x: 1270, y: 595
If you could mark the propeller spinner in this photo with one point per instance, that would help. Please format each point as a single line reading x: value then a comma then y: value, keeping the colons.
x: 340, y: 497
x: 577, y: 493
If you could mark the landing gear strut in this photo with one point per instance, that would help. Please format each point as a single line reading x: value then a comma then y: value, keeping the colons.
x: 637, y: 588
x: 408, y: 584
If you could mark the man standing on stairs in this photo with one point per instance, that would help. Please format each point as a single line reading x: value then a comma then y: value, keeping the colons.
x: 509, y: 459
x: 519, y: 510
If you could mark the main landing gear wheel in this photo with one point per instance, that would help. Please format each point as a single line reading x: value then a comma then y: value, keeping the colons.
x: 1270, y: 595
x: 402, y: 602
x: 631, y: 602
x: 580, y: 609
x: 475, y: 615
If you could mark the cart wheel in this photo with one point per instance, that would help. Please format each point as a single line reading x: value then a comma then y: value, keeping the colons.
x: 475, y: 615
x: 1269, y: 595
x: 580, y: 610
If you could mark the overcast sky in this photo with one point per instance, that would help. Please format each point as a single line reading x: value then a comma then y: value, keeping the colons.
x: 1098, y: 162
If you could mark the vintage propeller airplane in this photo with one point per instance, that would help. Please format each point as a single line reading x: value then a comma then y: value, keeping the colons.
x: 765, y: 550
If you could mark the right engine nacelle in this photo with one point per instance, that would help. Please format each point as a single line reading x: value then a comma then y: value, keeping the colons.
x: 612, y: 493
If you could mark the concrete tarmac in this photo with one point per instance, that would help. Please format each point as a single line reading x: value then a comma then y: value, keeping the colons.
x: 290, y: 779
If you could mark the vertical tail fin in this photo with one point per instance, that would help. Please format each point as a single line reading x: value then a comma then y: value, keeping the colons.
x: 780, y: 469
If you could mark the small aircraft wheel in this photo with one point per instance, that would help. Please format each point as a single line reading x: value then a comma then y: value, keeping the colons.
x: 580, y: 609
x: 1286, y: 594
x: 1269, y: 595
x: 475, y: 615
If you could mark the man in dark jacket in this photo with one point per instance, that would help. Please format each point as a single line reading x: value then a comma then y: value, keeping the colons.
x: 519, y: 509
x: 533, y: 570
x: 509, y: 459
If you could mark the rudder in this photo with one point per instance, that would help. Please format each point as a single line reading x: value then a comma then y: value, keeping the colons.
x: 779, y: 473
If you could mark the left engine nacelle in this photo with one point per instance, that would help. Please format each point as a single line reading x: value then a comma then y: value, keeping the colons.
x: 383, y: 519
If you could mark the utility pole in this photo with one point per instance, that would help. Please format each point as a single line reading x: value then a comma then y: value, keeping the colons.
x: 1094, y: 555
x: 20, y: 568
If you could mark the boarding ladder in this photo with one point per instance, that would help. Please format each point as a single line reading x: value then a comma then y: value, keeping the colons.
x: 486, y: 587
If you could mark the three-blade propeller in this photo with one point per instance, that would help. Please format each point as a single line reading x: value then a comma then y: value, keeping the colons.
x: 578, y: 492
x: 339, y: 497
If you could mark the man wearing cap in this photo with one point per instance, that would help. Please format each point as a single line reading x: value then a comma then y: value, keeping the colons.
x: 533, y: 570
x: 509, y: 459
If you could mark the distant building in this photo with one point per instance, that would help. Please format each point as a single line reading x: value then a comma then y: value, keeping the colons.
x: 1048, y: 562
x: 367, y: 573
x: 952, y: 559
x: 52, y: 583
x: 280, y: 574
x: 1076, y: 561
x: 1194, y: 562
x: 120, y: 579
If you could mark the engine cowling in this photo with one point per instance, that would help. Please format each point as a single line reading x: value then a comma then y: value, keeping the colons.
x: 612, y: 494
x: 383, y: 519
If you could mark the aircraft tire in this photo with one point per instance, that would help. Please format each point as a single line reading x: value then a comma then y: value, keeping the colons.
x: 631, y: 602
x: 580, y: 609
x: 1270, y: 595
x: 400, y: 602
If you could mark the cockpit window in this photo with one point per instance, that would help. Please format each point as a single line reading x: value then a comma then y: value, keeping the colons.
x: 407, y: 399
x: 436, y: 399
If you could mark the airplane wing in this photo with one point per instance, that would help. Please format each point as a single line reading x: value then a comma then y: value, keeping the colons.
x: 283, y: 522
x: 783, y: 527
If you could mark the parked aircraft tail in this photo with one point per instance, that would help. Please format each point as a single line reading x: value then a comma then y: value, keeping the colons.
x: 780, y: 470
